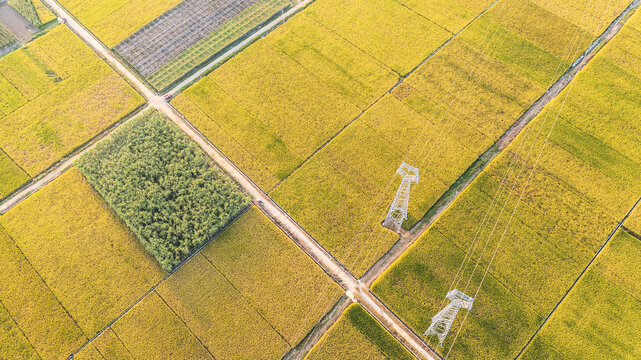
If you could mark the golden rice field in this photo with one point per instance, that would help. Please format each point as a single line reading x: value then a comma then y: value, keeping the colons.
x: 57, y: 95
x: 599, y: 317
x: 584, y: 183
x: 84, y: 266
x: 114, y: 21
x: 219, y: 305
x: 357, y: 336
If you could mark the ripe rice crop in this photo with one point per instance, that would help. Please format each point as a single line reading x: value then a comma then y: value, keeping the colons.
x: 634, y: 221
x: 253, y: 249
x: 84, y: 253
x: 599, y: 317
x: 34, y: 309
x: 110, y: 345
x: 152, y: 330
x: 60, y: 95
x: 452, y: 15
x: 356, y: 335
x: 114, y: 21
x: 581, y: 188
x: 389, y: 31
x: 164, y: 187
x: 13, y: 343
x: 11, y: 174
x: 218, y: 314
x: 592, y: 16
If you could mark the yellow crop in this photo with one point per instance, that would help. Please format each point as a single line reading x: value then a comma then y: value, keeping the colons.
x: 605, y: 302
x: 216, y: 312
x: 33, y: 307
x: 111, y: 346
x: 450, y: 14
x: 114, y: 21
x: 253, y: 249
x: 593, y: 17
x: 386, y: 30
x: 60, y: 96
x: 151, y: 330
x: 87, y: 256
x: 634, y: 221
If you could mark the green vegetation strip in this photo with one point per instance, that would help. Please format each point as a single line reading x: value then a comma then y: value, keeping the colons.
x: 163, y: 186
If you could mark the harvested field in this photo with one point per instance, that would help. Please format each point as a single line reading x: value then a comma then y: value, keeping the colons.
x: 149, y: 48
x: 114, y: 21
x: 600, y: 316
x: 59, y: 96
x: 357, y: 336
x: 164, y: 187
x: 88, y: 258
x: 583, y: 184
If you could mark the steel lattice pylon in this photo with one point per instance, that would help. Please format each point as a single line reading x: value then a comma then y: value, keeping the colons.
x: 398, y: 211
x: 442, y: 322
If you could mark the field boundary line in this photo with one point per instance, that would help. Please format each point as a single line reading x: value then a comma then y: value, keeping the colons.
x: 20, y: 328
x: 45, y: 284
x: 58, y: 168
x: 185, y: 323
x: 388, y: 92
x: 477, y: 167
x: 250, y: 303
x: 585, y: 269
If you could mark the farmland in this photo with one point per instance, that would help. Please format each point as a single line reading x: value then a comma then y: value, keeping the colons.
x: 114, y: 21
x: 600, y: 316
x: 583, y: 182
x: 429, y: 107
x: 6, y: 38
x: 215, y: 41
x: 163, y: 186
x: 33, y: 10
x: 59, y: 95
x: 356, y: 335
x: 250, y: 318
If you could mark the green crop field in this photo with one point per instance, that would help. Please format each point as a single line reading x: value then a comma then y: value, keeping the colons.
x: 164, y: 187
x: 57, y: 95
x: 585, y: 182
x: 215, y: 41
x: 600, y: 316
x: 357, y: 336
x: 220, y: 298
x: 33, y: 10
x: 114, y: 21
x: 634, y: 221
x: 6, y: 38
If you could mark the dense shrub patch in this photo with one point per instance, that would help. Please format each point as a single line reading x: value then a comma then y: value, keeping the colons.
x: 163, y: 186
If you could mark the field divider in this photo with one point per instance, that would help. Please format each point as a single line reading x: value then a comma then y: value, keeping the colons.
x: 576, y: 281
x: 449, y: 197
x: 52, y: 172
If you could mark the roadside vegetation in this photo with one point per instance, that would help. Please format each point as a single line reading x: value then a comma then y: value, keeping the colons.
x: 585, y: 181
x: 163, y: 186
x: 357, y: 336
x: 57, y: 95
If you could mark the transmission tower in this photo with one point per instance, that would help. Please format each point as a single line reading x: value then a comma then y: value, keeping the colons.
x: 442, y: 322
x: 398, y: 211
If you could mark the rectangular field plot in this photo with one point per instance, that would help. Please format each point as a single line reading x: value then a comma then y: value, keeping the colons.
x: 114, y: 21
x: 164, y: 187
x: 33, y: 322
x: 452, y: 15
x: 251, y: 293
x: 390, y: 32
x: 543, y: 207
x: 82, y: 251
x: 600, y: 317
x: 357, y: 336
x: 634, y: 221
x: 274, y: 104
x: 229, y: 24
x: 59, y: 95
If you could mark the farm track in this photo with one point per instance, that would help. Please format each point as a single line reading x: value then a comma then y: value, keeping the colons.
x: 312, y: 248
x: 409, y: 237
x: 356, y: 290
